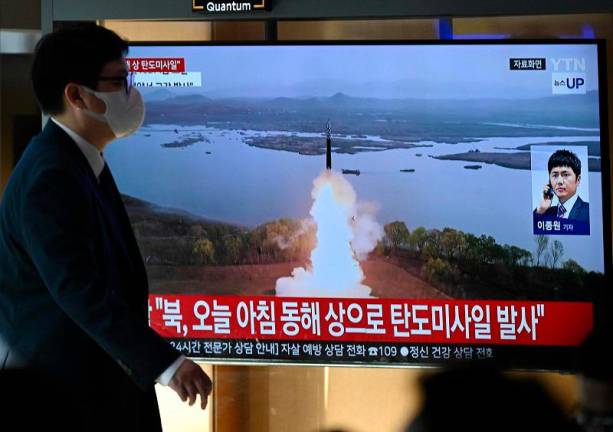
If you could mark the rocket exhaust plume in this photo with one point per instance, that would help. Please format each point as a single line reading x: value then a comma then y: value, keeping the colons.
x: 345, y: 233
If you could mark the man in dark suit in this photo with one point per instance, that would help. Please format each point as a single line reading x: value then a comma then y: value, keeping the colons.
x: 564, y: 178
x: 73, y: 287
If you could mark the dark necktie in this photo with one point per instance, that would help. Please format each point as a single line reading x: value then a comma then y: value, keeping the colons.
x: 561, y: 210
x: 105, y: 175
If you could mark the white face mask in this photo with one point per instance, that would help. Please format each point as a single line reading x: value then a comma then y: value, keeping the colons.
x: 124, y: 113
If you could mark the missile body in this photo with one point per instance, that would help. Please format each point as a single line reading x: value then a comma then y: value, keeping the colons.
x: 328, y: 146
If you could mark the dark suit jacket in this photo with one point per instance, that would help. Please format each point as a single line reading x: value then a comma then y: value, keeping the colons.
x: 579, y: 212
x: 73, y: 290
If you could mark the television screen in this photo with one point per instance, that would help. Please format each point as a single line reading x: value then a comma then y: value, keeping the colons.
x: 361, y: 203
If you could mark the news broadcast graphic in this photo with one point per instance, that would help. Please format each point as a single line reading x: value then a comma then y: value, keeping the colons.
x: 369, y: 203
x: 560, y: 194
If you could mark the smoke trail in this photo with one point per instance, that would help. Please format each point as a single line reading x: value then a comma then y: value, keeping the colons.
x: 346, y: 231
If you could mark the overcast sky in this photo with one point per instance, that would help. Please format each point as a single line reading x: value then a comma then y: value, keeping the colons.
x: 402, y: 71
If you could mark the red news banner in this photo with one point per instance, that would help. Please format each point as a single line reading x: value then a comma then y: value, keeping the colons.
x: 371, y: 320
x: 150, y: 65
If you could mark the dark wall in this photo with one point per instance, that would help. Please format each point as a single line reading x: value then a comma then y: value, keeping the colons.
x: 19, y: 115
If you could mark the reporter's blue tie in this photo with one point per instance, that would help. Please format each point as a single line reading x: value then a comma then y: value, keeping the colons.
x: 561, y: 210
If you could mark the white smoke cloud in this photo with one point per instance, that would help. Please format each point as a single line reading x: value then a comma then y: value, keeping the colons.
x: 366, y: 230
x: 346, y: 232
x: 285, y: 242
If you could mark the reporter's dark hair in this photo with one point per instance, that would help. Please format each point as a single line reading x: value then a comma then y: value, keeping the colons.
x: 74, y: 54
x: 565, y: 158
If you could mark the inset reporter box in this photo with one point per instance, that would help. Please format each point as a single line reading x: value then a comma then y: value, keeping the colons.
x: 560, y: 190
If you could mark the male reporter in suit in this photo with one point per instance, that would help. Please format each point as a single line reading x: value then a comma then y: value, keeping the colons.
x: 564, y: 178
x: 73, y: 287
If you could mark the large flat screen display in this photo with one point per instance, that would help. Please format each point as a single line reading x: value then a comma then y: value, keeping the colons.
x: 376, y: 203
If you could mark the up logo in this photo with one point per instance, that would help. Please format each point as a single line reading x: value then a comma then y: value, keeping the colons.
x: 568, y: 76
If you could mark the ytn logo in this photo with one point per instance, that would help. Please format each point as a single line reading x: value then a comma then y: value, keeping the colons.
x: 568, y: 76
x: 568, y: 64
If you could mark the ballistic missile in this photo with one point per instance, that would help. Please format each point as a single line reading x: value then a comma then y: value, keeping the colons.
x: 328, y: 146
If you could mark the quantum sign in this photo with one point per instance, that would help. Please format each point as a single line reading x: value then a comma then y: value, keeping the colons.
x: 229, y: 6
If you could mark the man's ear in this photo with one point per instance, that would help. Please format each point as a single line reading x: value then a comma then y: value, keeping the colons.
x: 579, y: 179
x: 72, y: 96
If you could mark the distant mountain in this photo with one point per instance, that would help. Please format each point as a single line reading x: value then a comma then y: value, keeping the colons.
x: 340, y: 98
x: 589, y: 97
x: 406, y: 118
x: 191, y: 99
x: 157, y: 94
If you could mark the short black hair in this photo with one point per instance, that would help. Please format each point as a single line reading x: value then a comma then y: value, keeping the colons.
x: 565, y: 158
x: 77, y: 54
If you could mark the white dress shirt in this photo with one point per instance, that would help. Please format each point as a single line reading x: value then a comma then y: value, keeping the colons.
x: 96, y: 162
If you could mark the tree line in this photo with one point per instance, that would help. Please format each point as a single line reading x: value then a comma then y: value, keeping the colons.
x: 459, y: 263
x: 457, y: 246
x: 465, y: 265
x: 183, y: 242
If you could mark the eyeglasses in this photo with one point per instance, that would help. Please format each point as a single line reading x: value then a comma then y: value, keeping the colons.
x: 128, y: 80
